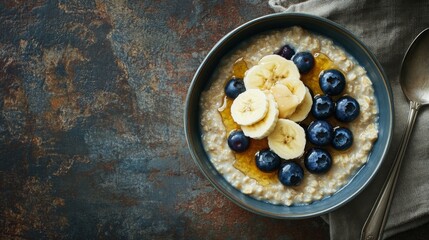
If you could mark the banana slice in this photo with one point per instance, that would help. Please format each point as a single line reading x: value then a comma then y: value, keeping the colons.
x: 249, y: 107
x: 270, y: 70
x: 297, y: 87
x: 281, y: 67
x: 303, y: 108
x: 258, y: 77
x: 264, y: 127
x: 287, y: 139
x: 287, y: 102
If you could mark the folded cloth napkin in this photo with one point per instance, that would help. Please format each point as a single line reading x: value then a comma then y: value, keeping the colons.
x: 387, y: 28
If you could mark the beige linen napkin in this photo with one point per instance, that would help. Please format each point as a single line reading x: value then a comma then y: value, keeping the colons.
x: 387, y: 28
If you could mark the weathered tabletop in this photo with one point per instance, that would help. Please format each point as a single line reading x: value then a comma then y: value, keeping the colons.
x: 91, y: 131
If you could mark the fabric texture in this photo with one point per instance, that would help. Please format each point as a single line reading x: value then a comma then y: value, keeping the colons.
x: 387, y: 28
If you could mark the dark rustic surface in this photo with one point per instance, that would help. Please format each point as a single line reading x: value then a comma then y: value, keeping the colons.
x: 91, y: 138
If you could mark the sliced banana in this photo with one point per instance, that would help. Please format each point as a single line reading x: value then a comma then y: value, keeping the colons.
x: 287, y: 139
x: 258, y: 77
x: 297, y: 87
x: 249, y: 107
x: 270, y: 70
x: 282, y: 68
x: 287, y: 102
x: 301, y: 112
x: 264, y: 127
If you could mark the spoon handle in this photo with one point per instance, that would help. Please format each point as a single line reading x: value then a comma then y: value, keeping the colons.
x: 376, y: 221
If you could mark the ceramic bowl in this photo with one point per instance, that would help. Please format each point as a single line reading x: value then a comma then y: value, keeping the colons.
x: 341, y: 37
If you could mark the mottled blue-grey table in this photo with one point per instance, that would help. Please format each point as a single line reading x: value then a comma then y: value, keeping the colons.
x: 91, y: 138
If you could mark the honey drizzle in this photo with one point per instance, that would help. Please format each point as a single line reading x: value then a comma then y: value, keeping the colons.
x: 311, y: 79
x: 239, y: 68
x: 245, y: 161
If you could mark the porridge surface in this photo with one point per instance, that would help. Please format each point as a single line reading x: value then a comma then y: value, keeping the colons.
x: 345, y: 164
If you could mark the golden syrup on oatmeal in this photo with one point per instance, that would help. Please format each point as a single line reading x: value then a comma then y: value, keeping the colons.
x: 245, y: 161
x: 239, y: 68
x: 311, y: 79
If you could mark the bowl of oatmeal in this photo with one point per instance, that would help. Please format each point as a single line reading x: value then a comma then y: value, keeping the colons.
x: 289, y: 116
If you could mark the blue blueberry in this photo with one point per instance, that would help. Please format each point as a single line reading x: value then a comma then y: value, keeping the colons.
x: 234, y: 87
x: 237, y: 141
x: 318, y: 160
x: 291, y: 174
x: 347, y: 109
x: 343, y: 138
x: 323, y: 107
x: 267, y: 160
x: 320, y: 132
x: 304, y: 61
x: 286, y: 51
x: 332, y: 82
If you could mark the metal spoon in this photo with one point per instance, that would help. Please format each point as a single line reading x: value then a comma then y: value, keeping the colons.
x: 414, y: 81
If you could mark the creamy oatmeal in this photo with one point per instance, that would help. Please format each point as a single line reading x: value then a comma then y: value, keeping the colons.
x: 238, y: 171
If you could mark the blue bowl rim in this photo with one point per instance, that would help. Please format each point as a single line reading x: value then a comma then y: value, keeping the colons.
x: 232, y: 34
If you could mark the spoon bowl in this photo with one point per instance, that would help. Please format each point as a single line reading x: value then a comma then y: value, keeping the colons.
x: 414, y: 77
x: 414, y: 80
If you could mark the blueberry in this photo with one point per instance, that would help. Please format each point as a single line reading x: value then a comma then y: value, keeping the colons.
x: 343, y: 138
x: 332, y: 82
x: 267, y: 160
x: 347, y: 109
x: 237, y: 141
x: 317, y: 160
x: 291, y: 174
x: 304, y: 61
x: 323, y: 107
x: 319, y: 132
x: 234, y: 87
x: 286, y: 51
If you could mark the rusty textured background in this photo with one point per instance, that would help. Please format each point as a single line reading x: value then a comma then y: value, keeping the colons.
x: 91, y: 137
